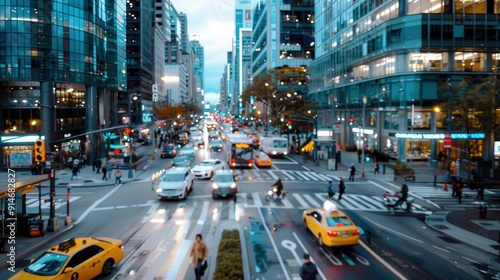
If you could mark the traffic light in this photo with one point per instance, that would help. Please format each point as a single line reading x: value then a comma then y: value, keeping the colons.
x: 40, y: 150
x: 351, y: 121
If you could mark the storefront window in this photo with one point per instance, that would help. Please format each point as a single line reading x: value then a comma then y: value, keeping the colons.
x: 424, y: 6
x: 391, y: 120
x: 17, y: 156
x: 420, y: 120
x: 469, y: 61
x: 420, y: 149
x: 425, y: 62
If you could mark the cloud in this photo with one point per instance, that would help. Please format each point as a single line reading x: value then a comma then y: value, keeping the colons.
x: 213, y: 21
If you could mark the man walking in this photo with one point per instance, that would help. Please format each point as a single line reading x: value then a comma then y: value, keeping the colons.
x: 330, y: 191
x: 376, y: 168
x: 353, y: 171
x: 341, y: 188
x: 308, y: 271
x: 104, y: 173
x: 459, y: 190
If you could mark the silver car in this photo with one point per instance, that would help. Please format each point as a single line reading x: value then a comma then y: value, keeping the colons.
x: 175, y: 183
x: 224, y: 184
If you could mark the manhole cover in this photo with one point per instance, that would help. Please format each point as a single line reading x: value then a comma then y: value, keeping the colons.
x: 449, y: 239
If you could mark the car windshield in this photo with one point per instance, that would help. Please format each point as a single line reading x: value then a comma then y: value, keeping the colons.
x: 207, y: 163
x: 215, y: 142
x: 48, y: 264
x: 173, y: 177
x: 169, y: 148
x: 335, y: 221
x: 223, y: 178
x: 279, y: 144
x: 180, y: 160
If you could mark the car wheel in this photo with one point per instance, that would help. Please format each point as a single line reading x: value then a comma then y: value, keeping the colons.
x: 185, y: 194
x: 107, y: 267
x: 214, y: 196
x: 305, y: 225
x: 320, y: 240
x: 211, y: 174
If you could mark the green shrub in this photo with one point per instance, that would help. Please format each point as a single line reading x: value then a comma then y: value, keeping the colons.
x: 229, y: 264
x: 401, y: 169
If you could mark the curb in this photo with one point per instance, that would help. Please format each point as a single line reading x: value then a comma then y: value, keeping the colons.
x: 231, y: 225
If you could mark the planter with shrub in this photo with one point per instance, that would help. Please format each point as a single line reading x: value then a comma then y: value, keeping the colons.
x: 402, y: 169
x: 229, y: 264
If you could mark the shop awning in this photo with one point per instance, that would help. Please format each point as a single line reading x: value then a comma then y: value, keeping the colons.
x: 25, y: 186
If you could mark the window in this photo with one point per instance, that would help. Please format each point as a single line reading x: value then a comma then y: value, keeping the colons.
x: 336, y: 221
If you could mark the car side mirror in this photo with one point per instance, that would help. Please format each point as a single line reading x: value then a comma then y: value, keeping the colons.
x: 68, y: 270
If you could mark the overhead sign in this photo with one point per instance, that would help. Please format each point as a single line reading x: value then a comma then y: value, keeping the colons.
x: 242, y: 146
x: 337, y: 126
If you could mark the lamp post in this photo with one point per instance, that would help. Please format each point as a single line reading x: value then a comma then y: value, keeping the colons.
x: 363, y: 141
x: 411, y: 138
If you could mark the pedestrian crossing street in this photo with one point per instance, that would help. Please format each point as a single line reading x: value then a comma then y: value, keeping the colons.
x: 438, y: 196
x: 284, y: 175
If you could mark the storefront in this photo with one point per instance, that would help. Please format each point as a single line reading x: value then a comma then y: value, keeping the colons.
x: 17, y: 150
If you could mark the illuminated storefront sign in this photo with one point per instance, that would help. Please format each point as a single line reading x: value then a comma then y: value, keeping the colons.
x: 367, y: 131
x: 438, y: 136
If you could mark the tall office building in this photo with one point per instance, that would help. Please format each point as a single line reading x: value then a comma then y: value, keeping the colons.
x: 389, y: 60
x: 283, y: 39
x: 198, y: 55
x: 241, y: 50
x: 140, y: 61
x: 65, y: 62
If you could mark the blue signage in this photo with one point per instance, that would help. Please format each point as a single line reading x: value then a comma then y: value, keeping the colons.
x: 439, y: 136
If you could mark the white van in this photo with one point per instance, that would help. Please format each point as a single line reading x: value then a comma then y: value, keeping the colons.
x: 274, y: 146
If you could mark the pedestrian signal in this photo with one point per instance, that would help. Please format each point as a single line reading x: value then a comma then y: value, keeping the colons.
x: 40, y: 150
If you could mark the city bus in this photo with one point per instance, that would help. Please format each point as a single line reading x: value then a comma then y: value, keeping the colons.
x: 238, y: 150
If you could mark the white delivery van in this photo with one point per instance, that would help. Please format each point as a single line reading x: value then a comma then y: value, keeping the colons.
x: 274, y: 146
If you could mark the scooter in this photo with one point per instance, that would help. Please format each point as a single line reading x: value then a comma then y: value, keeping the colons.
x: 271, y: 194
x: 390, y: 200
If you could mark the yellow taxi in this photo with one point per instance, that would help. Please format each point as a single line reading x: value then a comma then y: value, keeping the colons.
x: 331, y: 226
x: 75, y: 258
x: 261, y: 159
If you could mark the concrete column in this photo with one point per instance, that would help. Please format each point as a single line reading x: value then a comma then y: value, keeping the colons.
x: 452, y: 66
x: 91, y: 122
x: 48, y: 114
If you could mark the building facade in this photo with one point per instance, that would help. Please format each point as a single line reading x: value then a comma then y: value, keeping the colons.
x: 61, y: 67
x: 380, y: 66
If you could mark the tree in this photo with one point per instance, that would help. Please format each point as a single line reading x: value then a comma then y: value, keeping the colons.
x: 169, y: 112
x: 471, y: 105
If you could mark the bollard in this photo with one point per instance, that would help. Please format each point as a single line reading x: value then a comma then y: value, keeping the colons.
x: 435, y: 179
x: 369, y: 237
x: 483, y: 210
x: 445, y: 186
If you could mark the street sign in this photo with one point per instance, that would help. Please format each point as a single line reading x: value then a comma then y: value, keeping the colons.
x: 337, y: 126
x: 447, y: 141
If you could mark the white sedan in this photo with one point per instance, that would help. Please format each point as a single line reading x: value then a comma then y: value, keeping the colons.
x: 207, y: 168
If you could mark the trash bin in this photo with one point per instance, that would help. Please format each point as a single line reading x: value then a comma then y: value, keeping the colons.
x: 483, y: 210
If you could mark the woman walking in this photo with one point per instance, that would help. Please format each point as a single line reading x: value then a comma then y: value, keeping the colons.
x: 199, y: 254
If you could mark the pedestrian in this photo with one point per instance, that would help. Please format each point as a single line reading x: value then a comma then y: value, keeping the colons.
x: 308, y: 271
x: 76, y: 162
x: 104, y: 173
x: 74, y: 172
x: 353, y: 171
x: 454, y: 186
x: 330, y: 191
x: 459, y: 190
x: 376, y: 168
x: 199, y: 254
x: 341, y: 188
x: 118, y: 177
x: 82, y: 161
x: 109, y: 168
x: 98, y: 165
x: 480, y: 191
x: 94, y: 165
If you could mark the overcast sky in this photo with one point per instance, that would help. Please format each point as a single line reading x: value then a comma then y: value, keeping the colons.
x: 213, y: 22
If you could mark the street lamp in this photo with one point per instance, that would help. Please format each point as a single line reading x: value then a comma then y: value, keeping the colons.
x: 363, y: 141
x: 411, y: 138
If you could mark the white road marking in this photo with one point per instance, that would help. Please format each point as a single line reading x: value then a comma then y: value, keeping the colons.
x: 305, y: 250
x: 393, y: 231
x: 382, y: 261
x: 97, y: 202
x: 204, y: 213
x: 301, y: 201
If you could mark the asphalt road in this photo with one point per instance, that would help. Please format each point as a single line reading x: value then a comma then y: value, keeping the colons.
x: 158, y: 234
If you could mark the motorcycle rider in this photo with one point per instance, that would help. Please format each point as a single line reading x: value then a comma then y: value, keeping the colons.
x: 279, y: 187
x: 404, y: 195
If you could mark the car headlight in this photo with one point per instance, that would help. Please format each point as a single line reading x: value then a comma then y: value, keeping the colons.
x: 159, y: 190
x: 214, y: 186
x: 233, y: 185
x: 210, y: 146
x: 274, y: 152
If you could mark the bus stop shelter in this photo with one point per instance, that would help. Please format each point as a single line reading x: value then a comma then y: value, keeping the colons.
x: 13, y: 206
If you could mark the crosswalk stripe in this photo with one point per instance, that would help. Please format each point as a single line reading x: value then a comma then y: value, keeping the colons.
x: 302, y: 175
x: 363, y: 202
x: 344, y: 203
x: 290, y: 177
x: 314, y: 203
x: 256, y: 199
x: 301, y: 201
x: 203, y: 213
x: 272, y: 175
x: 321, y: 177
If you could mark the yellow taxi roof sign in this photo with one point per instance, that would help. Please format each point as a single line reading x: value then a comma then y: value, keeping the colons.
x: 330, y: 207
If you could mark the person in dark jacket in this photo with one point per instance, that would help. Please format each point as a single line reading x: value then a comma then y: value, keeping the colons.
x: 98, y: 166
x: 353, y: 171
x: 308, y: 271
x: 104, y: 172
x: 341, y: 188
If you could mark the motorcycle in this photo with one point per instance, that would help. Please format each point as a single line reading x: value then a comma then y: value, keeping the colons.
x: 272, y: 194
x: 390, y: 200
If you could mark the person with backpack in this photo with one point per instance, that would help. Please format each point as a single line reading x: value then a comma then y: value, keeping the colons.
x: 118, y: 177
x: 341, y: 188
x: 74, y: 172
x: 329, y: 190
x: 308, y: 271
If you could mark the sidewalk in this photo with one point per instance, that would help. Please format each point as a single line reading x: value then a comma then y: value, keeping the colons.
x: 463, y: 225
x: 25, y: 245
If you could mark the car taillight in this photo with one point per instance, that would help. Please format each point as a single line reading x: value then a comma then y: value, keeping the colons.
x: 355, y: 232
x: 233, y: 162
x: 332, y: 233
x: 120, y: 246
x: 250, y: 163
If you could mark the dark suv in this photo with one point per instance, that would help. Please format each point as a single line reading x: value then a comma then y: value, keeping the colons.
x: 169, y: 151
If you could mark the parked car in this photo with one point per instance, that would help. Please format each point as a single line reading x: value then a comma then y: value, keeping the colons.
x: 169, y: 151
x: 261, y: 159
x: 224, y: 184
x: 85, y: 257
x: 175, y: 183
x: 331, y: 226
x: 216, y: 145
x: 181, y: 161
x: 207, y: 168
